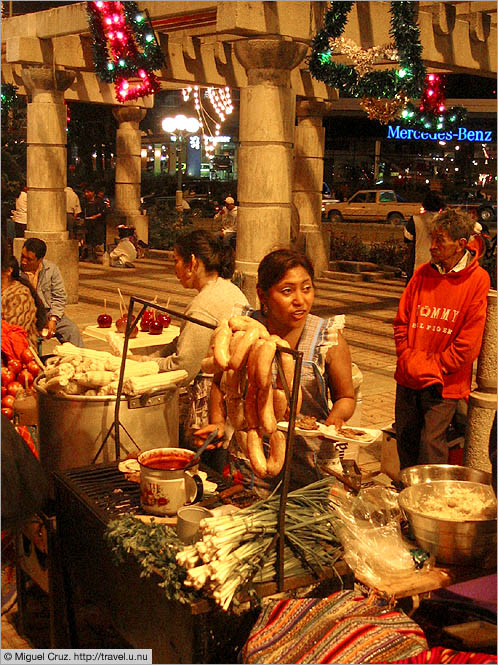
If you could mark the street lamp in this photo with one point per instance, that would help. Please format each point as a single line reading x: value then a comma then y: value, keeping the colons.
x: 180, y: 126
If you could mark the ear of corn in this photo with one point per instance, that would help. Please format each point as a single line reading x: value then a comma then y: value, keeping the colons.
x: 132, y: 368
x: 136, y: 385
x: 68, y: 349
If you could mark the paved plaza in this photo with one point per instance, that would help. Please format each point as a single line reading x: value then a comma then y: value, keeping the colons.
x: 369, y: 309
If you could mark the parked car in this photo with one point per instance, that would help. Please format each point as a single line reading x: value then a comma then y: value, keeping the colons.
x: 474, y: 202
x: 202, y: 207
x: 371, y: 205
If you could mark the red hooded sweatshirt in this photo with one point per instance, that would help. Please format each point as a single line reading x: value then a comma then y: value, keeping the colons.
x: 438, y: 328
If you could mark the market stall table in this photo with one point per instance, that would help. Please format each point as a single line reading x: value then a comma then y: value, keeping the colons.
x: 86, y: 501
x: 143, y: 342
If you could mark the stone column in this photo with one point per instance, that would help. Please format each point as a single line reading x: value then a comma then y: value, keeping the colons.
x: 46, y: 174
x: 266, y: 134
x: 128, y: 174
x: 309, y: 146
x: 482, y: 401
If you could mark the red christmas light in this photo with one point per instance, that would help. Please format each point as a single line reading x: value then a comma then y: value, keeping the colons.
x: 124, y: 51
x: 433, y: 99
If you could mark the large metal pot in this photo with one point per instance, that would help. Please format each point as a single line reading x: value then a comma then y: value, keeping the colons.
x: 428, y: 473
x: 73, y: 427
x: 459, y: 542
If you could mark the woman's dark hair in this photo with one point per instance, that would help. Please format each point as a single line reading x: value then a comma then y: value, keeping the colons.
x: 41, y: 310
x: 206, y: 247
x: 275, y: 264
x: 9, y: 261
x: 433, y: 202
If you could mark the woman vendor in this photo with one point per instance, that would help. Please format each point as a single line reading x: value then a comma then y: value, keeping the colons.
x: 21, y: 305
x: 204, y: 264
x: 286, y: 293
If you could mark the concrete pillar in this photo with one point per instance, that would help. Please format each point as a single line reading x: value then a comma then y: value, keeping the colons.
x: 266, y: 134
x: 482, y: 402
x: 46, y: 174
x: 309, y: 146
x: 128, y: 174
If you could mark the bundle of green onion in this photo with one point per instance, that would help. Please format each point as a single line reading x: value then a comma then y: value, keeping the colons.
x: 236, y: 548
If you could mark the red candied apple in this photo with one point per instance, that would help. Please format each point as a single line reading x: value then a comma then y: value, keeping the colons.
x: 104, y: 321
x: 147, y: 317
x: 7, y: 376
x: 155, y: 327
x: 27, y: 356
x: 14, y: 365
x: 121, y: 325
x: 4, y: 390
x: 163, y: 318
x: 25, y: 377
x: 13, y: 388
x: 7, y: 412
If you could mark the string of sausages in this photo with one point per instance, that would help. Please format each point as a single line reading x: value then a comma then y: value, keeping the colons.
x: 243, y: 349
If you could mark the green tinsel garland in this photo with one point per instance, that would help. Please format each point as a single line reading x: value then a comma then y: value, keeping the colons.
x: 409, y: 78
x: 9, y: 96
x: 439, y: 121
x: 151, y: 58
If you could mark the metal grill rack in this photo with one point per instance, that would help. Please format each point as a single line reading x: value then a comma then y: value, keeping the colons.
x: 292, y: 398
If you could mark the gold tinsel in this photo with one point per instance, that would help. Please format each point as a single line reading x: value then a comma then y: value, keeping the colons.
x: 384, y: 110
x: 364, y: 60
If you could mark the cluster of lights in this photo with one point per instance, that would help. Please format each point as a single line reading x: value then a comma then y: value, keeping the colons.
x: 221, y: 103
x: 431, y: 112
x: 119, y: 27
x: 8, y: 96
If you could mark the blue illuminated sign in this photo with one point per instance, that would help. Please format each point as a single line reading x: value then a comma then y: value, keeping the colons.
x: 458, y: 134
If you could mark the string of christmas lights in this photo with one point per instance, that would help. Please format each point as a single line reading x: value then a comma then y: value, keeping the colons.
x: 222, y: 105
x: 125, y: 49
x: 431, y: 113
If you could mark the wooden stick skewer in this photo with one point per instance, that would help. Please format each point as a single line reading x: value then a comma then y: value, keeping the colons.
x: 121, y: 303
x: 37, y: 358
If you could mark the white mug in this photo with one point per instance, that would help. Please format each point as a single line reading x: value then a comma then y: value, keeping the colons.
x: 165, y: 485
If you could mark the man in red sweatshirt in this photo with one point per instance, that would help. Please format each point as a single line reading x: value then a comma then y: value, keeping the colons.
x: 438, y: 333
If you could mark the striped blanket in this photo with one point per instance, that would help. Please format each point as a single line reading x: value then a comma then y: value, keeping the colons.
x: 346, y: 627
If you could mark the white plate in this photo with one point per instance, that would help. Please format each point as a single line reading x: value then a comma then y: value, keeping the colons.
x: 284, y: 426
x: 367, y: 435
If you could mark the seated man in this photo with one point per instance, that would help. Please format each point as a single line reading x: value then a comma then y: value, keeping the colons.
x: 228, y: 218
x: 46, y: 278
x: 123, y: 255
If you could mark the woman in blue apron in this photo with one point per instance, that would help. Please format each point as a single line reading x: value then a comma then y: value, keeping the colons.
x: 286, y: 293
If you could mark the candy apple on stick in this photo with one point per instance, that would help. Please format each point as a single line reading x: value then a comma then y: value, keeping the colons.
x: 104, y: 320
x: 121, y: 322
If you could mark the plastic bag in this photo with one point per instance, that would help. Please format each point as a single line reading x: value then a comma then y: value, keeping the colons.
x: 368, y: 527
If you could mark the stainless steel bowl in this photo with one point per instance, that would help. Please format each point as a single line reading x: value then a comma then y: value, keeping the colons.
x: 427, y: 473
x: 457, y: 542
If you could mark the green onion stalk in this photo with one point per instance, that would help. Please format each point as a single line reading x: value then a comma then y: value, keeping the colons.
x: 236, y: 548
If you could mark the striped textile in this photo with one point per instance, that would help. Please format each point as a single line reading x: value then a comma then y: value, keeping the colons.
x: 344, y: 628
x: 444, y: 655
